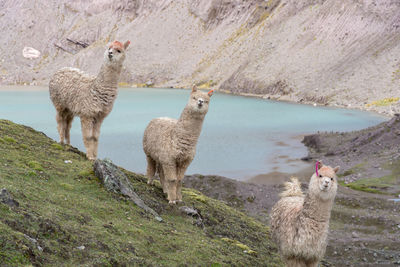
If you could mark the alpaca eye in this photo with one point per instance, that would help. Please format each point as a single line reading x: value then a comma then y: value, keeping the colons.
x: 119, y: 51
x: 331, y: 179
x: 320, y: 176
x: 194, y: 98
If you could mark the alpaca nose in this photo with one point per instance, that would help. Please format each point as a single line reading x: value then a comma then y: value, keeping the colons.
x: 200, y: 102
x: 110, y: 54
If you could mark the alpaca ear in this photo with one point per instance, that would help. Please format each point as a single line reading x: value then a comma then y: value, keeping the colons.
x: 336, y: 169
x: 126, y: 44
x: 319, y: 164
x: 210, y: 93
x: 194, y: 88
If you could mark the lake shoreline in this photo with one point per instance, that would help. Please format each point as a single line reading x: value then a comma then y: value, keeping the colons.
x: 383, y: 111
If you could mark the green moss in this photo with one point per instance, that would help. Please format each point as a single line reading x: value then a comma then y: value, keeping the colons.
x: 360, y: 187
x: 35, y: 165
x: 57, y: 146
x: 23, y: 146
x: 243, y: 247
x: 196, y: 196
x: 389, y: 184
x: 9, y: 139
x: 65, y: 207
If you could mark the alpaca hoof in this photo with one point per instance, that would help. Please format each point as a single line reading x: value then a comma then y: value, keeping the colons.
x: 91, y: 158
x: 172, y: 202
x: 179, y: 201
x: 149, y: 182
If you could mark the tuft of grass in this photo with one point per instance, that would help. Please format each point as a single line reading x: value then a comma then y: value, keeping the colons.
x: 123, y: 84
x: 196, y: 196
x: 384, y: 102
x: 243, y: 247
x: 35, y: 165
x: 9, y: 139
x: 57, y: 146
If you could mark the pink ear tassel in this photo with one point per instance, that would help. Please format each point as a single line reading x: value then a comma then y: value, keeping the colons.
x: 210, y: 92
x: 316, y: 168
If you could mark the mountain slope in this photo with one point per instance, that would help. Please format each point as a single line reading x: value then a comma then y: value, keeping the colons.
x: 54, y: 211
x: 343, y: 53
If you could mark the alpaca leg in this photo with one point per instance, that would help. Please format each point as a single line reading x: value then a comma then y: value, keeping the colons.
x: 61, y: 125
x: 180, y: 175
x: 170, y: 182
x: 162, y: 178
x: 96, y: 135
x: 178, y: 191
x: 68, y: 123
x: 312, y: 264
x: 293, y: 262
x: 87, y: 131
x: 151, y: 170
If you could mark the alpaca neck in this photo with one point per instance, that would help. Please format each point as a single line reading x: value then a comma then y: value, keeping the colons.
x: 105, y: 85
x: 189, y: 126
x: 108, y: 76
x: 316, y: 208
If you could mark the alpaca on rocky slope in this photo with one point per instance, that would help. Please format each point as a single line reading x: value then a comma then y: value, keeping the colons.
x: 75, y: 93
x: 299, y: 224
x: 170, y: 145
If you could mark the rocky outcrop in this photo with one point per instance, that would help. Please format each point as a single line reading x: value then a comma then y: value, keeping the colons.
x: 114, y: 180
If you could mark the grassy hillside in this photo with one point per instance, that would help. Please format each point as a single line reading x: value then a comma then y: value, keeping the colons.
x: 66, y: 218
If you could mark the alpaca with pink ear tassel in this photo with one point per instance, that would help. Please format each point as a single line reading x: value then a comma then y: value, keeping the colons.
x: 300, y: 223
x: 170, y: 144
x: 75, y: 93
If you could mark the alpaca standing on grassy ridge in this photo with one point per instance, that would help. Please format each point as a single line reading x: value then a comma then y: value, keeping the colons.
x: 75, y: 93
x: 170, y: 145
x: 299, y: 224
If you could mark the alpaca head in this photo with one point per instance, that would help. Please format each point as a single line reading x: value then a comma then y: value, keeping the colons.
x: 115, y: 53
x: 323, y: 183
x: 198, y: 101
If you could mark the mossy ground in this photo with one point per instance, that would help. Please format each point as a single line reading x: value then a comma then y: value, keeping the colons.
x: 389, y: 184
x: 66, y: 218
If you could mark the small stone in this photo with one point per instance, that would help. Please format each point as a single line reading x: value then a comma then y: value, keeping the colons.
x: 375, y: 255
x: 6, y: 198
x: 81, y: 247
x: 354, y: 235
x: 67, y: 161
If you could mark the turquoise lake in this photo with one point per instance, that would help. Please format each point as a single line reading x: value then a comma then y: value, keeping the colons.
x: 241, y: 137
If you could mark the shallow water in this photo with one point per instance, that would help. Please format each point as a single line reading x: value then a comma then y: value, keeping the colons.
x: 241, y: 136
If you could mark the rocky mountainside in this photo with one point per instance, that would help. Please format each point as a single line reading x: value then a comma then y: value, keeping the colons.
x: 343, y: 53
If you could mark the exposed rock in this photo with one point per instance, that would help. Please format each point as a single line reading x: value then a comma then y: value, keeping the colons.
x: 114, y: 180
x: 193, y: 213
x: 6, y: 198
